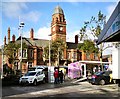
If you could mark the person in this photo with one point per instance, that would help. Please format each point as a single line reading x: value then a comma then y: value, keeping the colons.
x: 61, y: 76
x: 56, y: 76
x: 110, y: 76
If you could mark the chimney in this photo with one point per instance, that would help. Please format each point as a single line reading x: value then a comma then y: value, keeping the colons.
x: 8, y: 34
x: 32, y: 34
x: 5, y: 40
x: 76, y: 39
x: 13, y: 38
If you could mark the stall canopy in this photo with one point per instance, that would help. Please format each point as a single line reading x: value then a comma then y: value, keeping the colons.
x: 74, y: 70
x: 111, y: 31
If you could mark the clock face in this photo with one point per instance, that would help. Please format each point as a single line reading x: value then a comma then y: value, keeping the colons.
x: 61, y: 28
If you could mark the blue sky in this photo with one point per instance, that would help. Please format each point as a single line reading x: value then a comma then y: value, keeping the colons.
x: 38, y: 15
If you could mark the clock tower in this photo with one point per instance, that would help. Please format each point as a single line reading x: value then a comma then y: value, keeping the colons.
x: 58, y: 24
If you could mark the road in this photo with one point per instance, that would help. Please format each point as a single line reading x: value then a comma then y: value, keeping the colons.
x: 67, y: 89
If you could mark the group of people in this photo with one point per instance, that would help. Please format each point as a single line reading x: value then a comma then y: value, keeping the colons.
x: 58, y: 75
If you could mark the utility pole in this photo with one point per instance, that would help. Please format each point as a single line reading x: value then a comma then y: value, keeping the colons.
x: 58, y: 56
x: 2, y: 61
x: 21, y: 25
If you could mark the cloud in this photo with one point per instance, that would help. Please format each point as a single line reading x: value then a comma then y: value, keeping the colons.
x: 71, y: 36
x: 31, y: 16
x: 13, y: 10
x: 41, y: 33
x: 16, y: 9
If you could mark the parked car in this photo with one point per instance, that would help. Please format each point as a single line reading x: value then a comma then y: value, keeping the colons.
x: 32, y: 77
x: 101, y: 78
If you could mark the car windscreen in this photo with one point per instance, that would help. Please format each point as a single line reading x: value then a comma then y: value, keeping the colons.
x: 30, y: 74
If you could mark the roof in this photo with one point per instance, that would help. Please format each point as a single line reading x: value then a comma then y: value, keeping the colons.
x: 111, y: 31
x: 58, y: 10
x: 34, y: 42
x: 94, y: 62
x: 42, y: 42
x: 71, y: 45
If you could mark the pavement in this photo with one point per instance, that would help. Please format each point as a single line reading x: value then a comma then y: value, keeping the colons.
x: 71, y: 88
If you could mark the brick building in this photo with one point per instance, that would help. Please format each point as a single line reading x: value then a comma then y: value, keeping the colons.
x: 33, y: 54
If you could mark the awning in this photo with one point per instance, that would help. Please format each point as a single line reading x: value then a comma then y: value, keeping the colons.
x: 111, y: 31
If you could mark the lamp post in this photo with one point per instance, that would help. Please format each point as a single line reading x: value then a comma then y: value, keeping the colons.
x: 2, y: 61
x: 49, y: 68
x: 21, y: 28
x: 58, y: 58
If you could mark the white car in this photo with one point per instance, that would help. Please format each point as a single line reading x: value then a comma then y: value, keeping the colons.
x: 32, y: 77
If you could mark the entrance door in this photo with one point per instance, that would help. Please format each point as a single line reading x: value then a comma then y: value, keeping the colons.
x: 83, y: 67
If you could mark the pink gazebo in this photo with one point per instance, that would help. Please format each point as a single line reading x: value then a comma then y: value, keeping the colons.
x: 74, y: 70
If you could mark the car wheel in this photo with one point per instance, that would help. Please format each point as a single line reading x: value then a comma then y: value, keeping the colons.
x: 102, y: 82
x: 35, y: 82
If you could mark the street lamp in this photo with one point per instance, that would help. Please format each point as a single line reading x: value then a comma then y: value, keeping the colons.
x: 49, y: 68
x: 49, y: 51
x: 21, y: 28
x: 2, y: 48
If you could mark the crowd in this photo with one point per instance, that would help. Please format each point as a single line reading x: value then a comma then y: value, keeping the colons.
x: 58, y: 75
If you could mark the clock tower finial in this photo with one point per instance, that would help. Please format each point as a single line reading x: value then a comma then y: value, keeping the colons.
x: 58, y: 24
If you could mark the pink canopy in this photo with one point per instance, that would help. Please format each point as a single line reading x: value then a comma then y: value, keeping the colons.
x: 74, y: 70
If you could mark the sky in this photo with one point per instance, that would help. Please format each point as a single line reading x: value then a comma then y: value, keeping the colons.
x: 37, y: 14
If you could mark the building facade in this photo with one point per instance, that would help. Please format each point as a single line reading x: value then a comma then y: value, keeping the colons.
x: 33, y: 54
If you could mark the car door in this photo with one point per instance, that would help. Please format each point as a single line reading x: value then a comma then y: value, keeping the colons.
x: 38, y: 76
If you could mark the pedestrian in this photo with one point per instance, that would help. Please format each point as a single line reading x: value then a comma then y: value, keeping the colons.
x: 56, y: 76
x: 110, y: 76
x: 61, y: 76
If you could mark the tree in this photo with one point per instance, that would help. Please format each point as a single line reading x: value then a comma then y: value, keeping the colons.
x: 88, y: 47
x: 57, y: 47
x: 11, y: 49
x: 95, y: 26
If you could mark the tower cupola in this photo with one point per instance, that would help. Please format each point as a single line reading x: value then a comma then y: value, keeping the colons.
x: 58, y: 10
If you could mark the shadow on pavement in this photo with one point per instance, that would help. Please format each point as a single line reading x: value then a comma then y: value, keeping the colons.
x: 18, y: 89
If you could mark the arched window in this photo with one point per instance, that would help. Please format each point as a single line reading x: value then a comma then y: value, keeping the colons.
x: 60, y: 19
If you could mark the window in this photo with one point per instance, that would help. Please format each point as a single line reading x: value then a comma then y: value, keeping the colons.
x: 87, y: 55
x: 68, y: 56
x: 60, y: 19
x: 29, y: 64
x: 15, y: 54
x: 31, y: 53
x: 16, y: 65
x: 95, y: 56
x: 74, y: 55
x: 62, y: 55
x: 24, y: 53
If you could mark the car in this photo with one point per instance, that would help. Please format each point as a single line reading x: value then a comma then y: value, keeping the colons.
x: 32, y: 77
x: 102, y: 78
